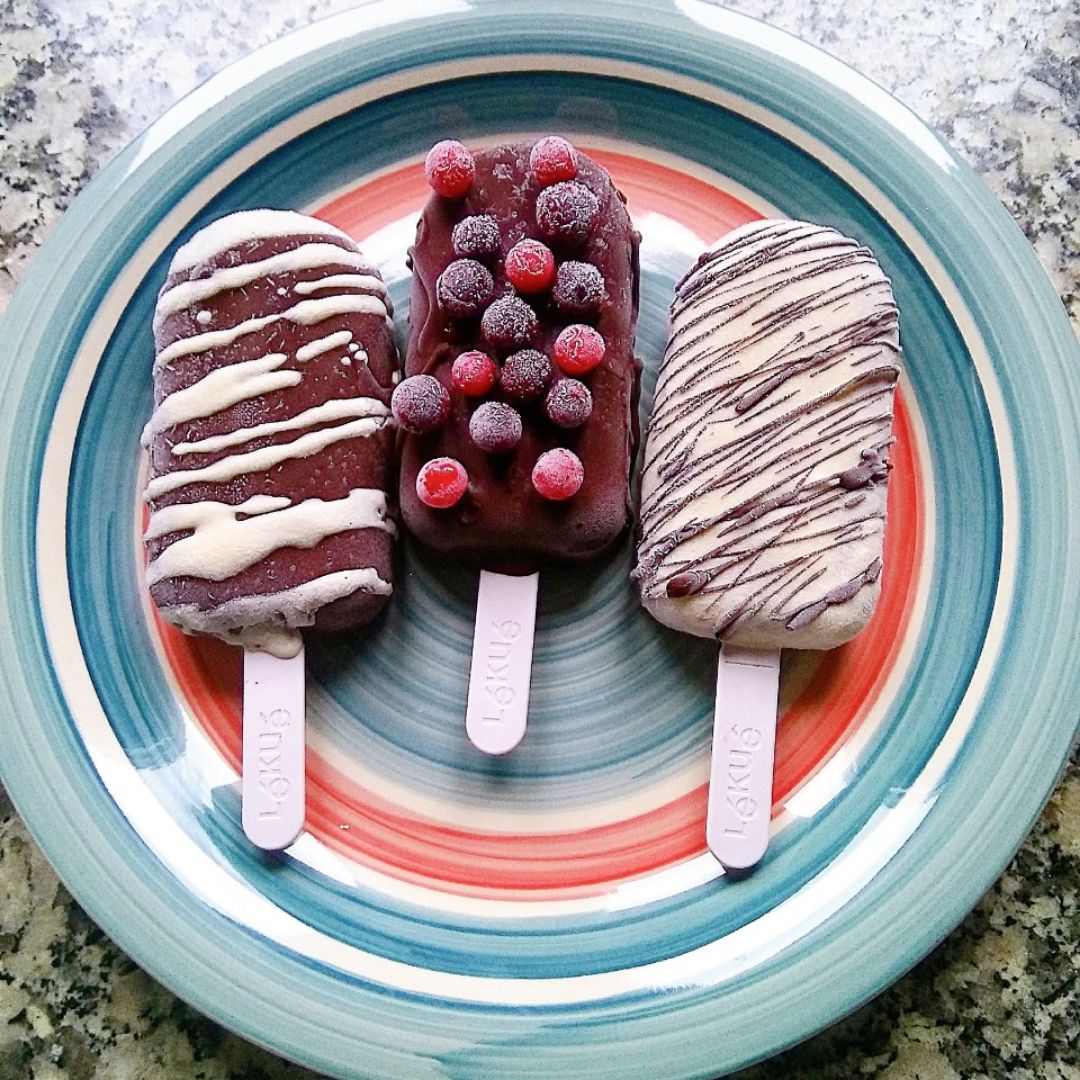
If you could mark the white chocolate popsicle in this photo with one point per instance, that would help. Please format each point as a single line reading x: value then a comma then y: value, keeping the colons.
x: 763, y: 494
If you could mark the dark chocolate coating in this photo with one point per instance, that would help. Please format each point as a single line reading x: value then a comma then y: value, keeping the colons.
x: 329, y: 474
x: 502, y: 523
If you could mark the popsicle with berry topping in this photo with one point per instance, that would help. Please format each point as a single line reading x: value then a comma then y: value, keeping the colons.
x: 270, y: 452
x: 518, y: 411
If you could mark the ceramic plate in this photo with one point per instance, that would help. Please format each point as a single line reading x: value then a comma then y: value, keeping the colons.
x: 553, y: 914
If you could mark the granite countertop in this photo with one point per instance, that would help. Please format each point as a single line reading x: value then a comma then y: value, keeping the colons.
x: 1001, y: 996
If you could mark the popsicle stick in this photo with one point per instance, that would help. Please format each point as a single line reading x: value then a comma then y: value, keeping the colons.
x: 744, y: 742
x: 272, y: 788
x: 501, y: 661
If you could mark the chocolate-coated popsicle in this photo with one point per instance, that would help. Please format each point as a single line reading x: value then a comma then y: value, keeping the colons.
x: 271, y: 437
x: 519, y: 410
x: 524, y: 300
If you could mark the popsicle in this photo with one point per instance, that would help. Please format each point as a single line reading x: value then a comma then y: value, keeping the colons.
x: 270, y: 450
x: 764, y: 481
x: 518, y: 412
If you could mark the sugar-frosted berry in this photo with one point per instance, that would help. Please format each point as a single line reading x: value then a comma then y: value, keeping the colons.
x: 568, y: 403
x: 464, y: 288
x: 558, y: 474
x: 476, y: 237
x: 526, y: 375
x: 441, y: 482
x: 420, y: 404
x: 495, y: 427
x: 566, y: 212
x: 450, y: 168
x: 509, y: 323
x: 578, y: 349
x: 579, y: 288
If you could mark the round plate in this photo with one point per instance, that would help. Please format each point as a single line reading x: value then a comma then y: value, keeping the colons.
x: 553, y: 914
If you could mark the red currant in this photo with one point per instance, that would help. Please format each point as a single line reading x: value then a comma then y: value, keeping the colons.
x: 473, y: 373
x: 441, y: 482
x: 558, y: 474
x: 450, y: 168
x: 530, y: 266
x: 553, y: 159
x: 578, y: 349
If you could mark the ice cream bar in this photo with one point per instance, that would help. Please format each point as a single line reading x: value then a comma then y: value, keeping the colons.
x: 520, y: 366
x: 764, y: 482
x: 518, y: 412
x: 271, y: 438
x: 763, y: 493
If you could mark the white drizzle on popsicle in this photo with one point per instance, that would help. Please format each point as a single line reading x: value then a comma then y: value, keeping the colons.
x: 764, y: 481
x: 215, y: 540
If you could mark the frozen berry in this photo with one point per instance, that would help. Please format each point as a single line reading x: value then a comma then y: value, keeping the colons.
x: 568, y: 403
x: 578, y: 349
x: 509, y: 323
x: 553, y: 159
x: 530, y: 266
x: 420, y: 404
x: 566, y: 211
x: 473, y: 373
x: 495, y: 427
x: 450, y: 168
x: 526, y: 374
x: 558, y: 474
x: 441, y: 482
x: 476, y: 237
x: 579, y: 288
x: 464, y: 287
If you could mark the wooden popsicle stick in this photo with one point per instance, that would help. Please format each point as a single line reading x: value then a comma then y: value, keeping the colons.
x: 273, y: 785
x: 744, y: 743
x: 502, y: 654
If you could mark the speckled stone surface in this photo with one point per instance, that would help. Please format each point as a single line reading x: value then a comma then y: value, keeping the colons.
x: 1001, y: 996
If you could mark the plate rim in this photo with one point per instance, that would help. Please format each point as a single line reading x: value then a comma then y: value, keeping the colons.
x: 230, y: 91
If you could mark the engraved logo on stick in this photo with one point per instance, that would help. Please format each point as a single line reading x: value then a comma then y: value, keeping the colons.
x: 499, y: 692
x: 273, y: 782
x: 741, y: 743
